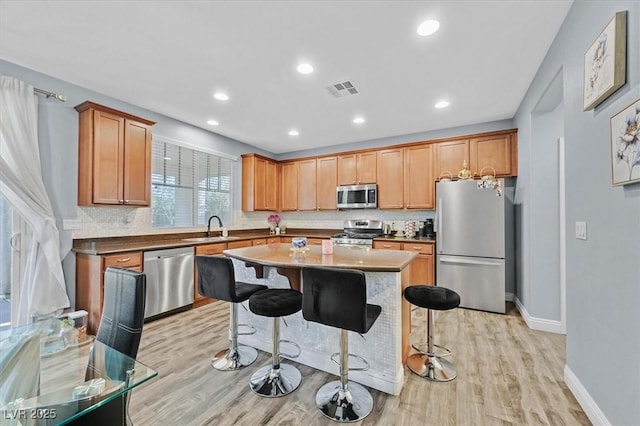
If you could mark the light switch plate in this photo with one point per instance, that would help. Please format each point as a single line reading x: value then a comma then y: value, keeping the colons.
x: 581, y: 230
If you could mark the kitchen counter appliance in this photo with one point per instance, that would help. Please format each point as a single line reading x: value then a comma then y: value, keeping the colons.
x: 359, y: 233
x: 357, y: 196
x: 169, y: 280
x: 475, y: 248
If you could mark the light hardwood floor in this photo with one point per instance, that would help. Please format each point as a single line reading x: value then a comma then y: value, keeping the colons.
x: 507, y: 375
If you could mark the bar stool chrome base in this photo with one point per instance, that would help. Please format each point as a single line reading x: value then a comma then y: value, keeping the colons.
x: 273, y: 382
x: 433, y: 368
x: 344, y: 405
x: 229, y: 360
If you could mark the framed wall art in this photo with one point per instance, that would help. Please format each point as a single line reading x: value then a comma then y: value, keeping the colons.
x: 625, y: 145
x: 605, y: 65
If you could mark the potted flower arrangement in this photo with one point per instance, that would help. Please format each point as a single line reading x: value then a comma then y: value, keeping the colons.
x: 274, y: 223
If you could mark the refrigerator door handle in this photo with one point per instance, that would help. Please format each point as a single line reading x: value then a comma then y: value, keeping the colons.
x: 469, y: 261
x: 439, y: 226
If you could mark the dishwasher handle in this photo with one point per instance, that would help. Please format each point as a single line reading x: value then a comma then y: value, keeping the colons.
x: 171, y: 256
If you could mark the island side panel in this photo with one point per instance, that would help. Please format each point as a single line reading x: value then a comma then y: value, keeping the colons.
x: 381, y: 346
x: 406, y: 314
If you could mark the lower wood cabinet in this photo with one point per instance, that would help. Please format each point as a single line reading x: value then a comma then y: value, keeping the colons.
x: 239, y: 244
x: 90, y: 281
x: 422, y: 266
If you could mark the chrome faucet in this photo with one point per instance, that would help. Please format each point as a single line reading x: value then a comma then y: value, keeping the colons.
x: 209, y: 224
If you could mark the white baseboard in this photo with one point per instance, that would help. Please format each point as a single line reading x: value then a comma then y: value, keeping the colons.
x: 587, y: 403
x: 533, y: 323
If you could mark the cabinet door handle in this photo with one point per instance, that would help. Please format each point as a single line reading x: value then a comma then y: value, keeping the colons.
x: 126, y: 259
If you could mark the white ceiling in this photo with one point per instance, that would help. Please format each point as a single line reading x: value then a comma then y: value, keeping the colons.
x: 171, y: 56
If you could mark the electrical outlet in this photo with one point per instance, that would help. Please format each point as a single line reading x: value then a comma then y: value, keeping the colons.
x: 581, y: 230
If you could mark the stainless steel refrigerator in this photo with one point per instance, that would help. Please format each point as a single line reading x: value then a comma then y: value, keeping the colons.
x: 475, y: 241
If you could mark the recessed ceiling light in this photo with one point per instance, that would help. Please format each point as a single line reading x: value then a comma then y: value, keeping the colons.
x: 305, y: 68
x: 442, y: 104
x: 221, y: 96
x: 359, y: 120
x: 212, y: 122
x: 293, y: 132
x: 428, y: 27
x: 167, y: 158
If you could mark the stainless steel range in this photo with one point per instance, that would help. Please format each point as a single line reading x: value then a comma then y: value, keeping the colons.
x: 360, y: 233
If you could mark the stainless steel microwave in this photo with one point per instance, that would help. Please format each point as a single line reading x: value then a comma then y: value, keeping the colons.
x: 357, y: 196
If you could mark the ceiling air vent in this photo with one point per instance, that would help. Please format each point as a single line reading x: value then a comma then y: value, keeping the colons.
x: 345, y: 88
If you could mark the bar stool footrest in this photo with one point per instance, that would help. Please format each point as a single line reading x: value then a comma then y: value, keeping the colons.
x: 294, y: 344
x: 445, y: 351
x: 364, y: 368
x: 252, y: 330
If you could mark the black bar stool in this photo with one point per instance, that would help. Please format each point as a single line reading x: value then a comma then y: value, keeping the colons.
x: 338, y: 298
x: 216, y: 279
x: 428, y: 364
x: 276, y: 379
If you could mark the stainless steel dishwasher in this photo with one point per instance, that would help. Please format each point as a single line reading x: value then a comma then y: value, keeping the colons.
x: 169, y: 280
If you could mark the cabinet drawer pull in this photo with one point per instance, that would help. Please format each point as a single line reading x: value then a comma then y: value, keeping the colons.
x: 126, y: 259
x: 418, y: 248
x: 386, y: 245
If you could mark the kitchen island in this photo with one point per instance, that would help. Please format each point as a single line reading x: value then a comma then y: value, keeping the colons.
x: 385, y: 346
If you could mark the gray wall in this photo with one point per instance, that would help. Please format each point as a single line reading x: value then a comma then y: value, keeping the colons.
x: 603, y: 272
x: 413, y: 137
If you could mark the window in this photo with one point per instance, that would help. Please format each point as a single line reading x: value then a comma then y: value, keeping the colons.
x: 188, y: 186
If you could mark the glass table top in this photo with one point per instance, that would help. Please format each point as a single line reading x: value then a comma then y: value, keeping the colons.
x: 51, y: 371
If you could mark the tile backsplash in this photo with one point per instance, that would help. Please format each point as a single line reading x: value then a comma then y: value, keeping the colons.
x: 96, y: 222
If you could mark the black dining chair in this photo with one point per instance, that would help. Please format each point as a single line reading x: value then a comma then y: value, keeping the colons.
x: 121, y: 329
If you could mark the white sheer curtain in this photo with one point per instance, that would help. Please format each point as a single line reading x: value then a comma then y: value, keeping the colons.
x: 42, y: 288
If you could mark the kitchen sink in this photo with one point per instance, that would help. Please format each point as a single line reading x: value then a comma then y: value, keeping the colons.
x: 209, y: 239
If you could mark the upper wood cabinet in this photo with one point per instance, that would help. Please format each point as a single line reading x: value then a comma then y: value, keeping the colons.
x: 391, y: 178
x: 419, y: 190
x: 307, y: 184
x: 405, y: 174
x: 259, y: 183
x: 493, y: 153
x: 355, y: 169
x: 114, y: 157
x: 327, y: 178
x: 450, y: 156
x: 289, y: 186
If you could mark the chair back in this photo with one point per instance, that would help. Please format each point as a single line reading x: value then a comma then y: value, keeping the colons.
x: 216, y: 278
x: 335, y: 297
x: 123, y: 310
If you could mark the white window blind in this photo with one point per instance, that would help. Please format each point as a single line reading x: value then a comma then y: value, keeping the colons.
x: 188, y: 186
